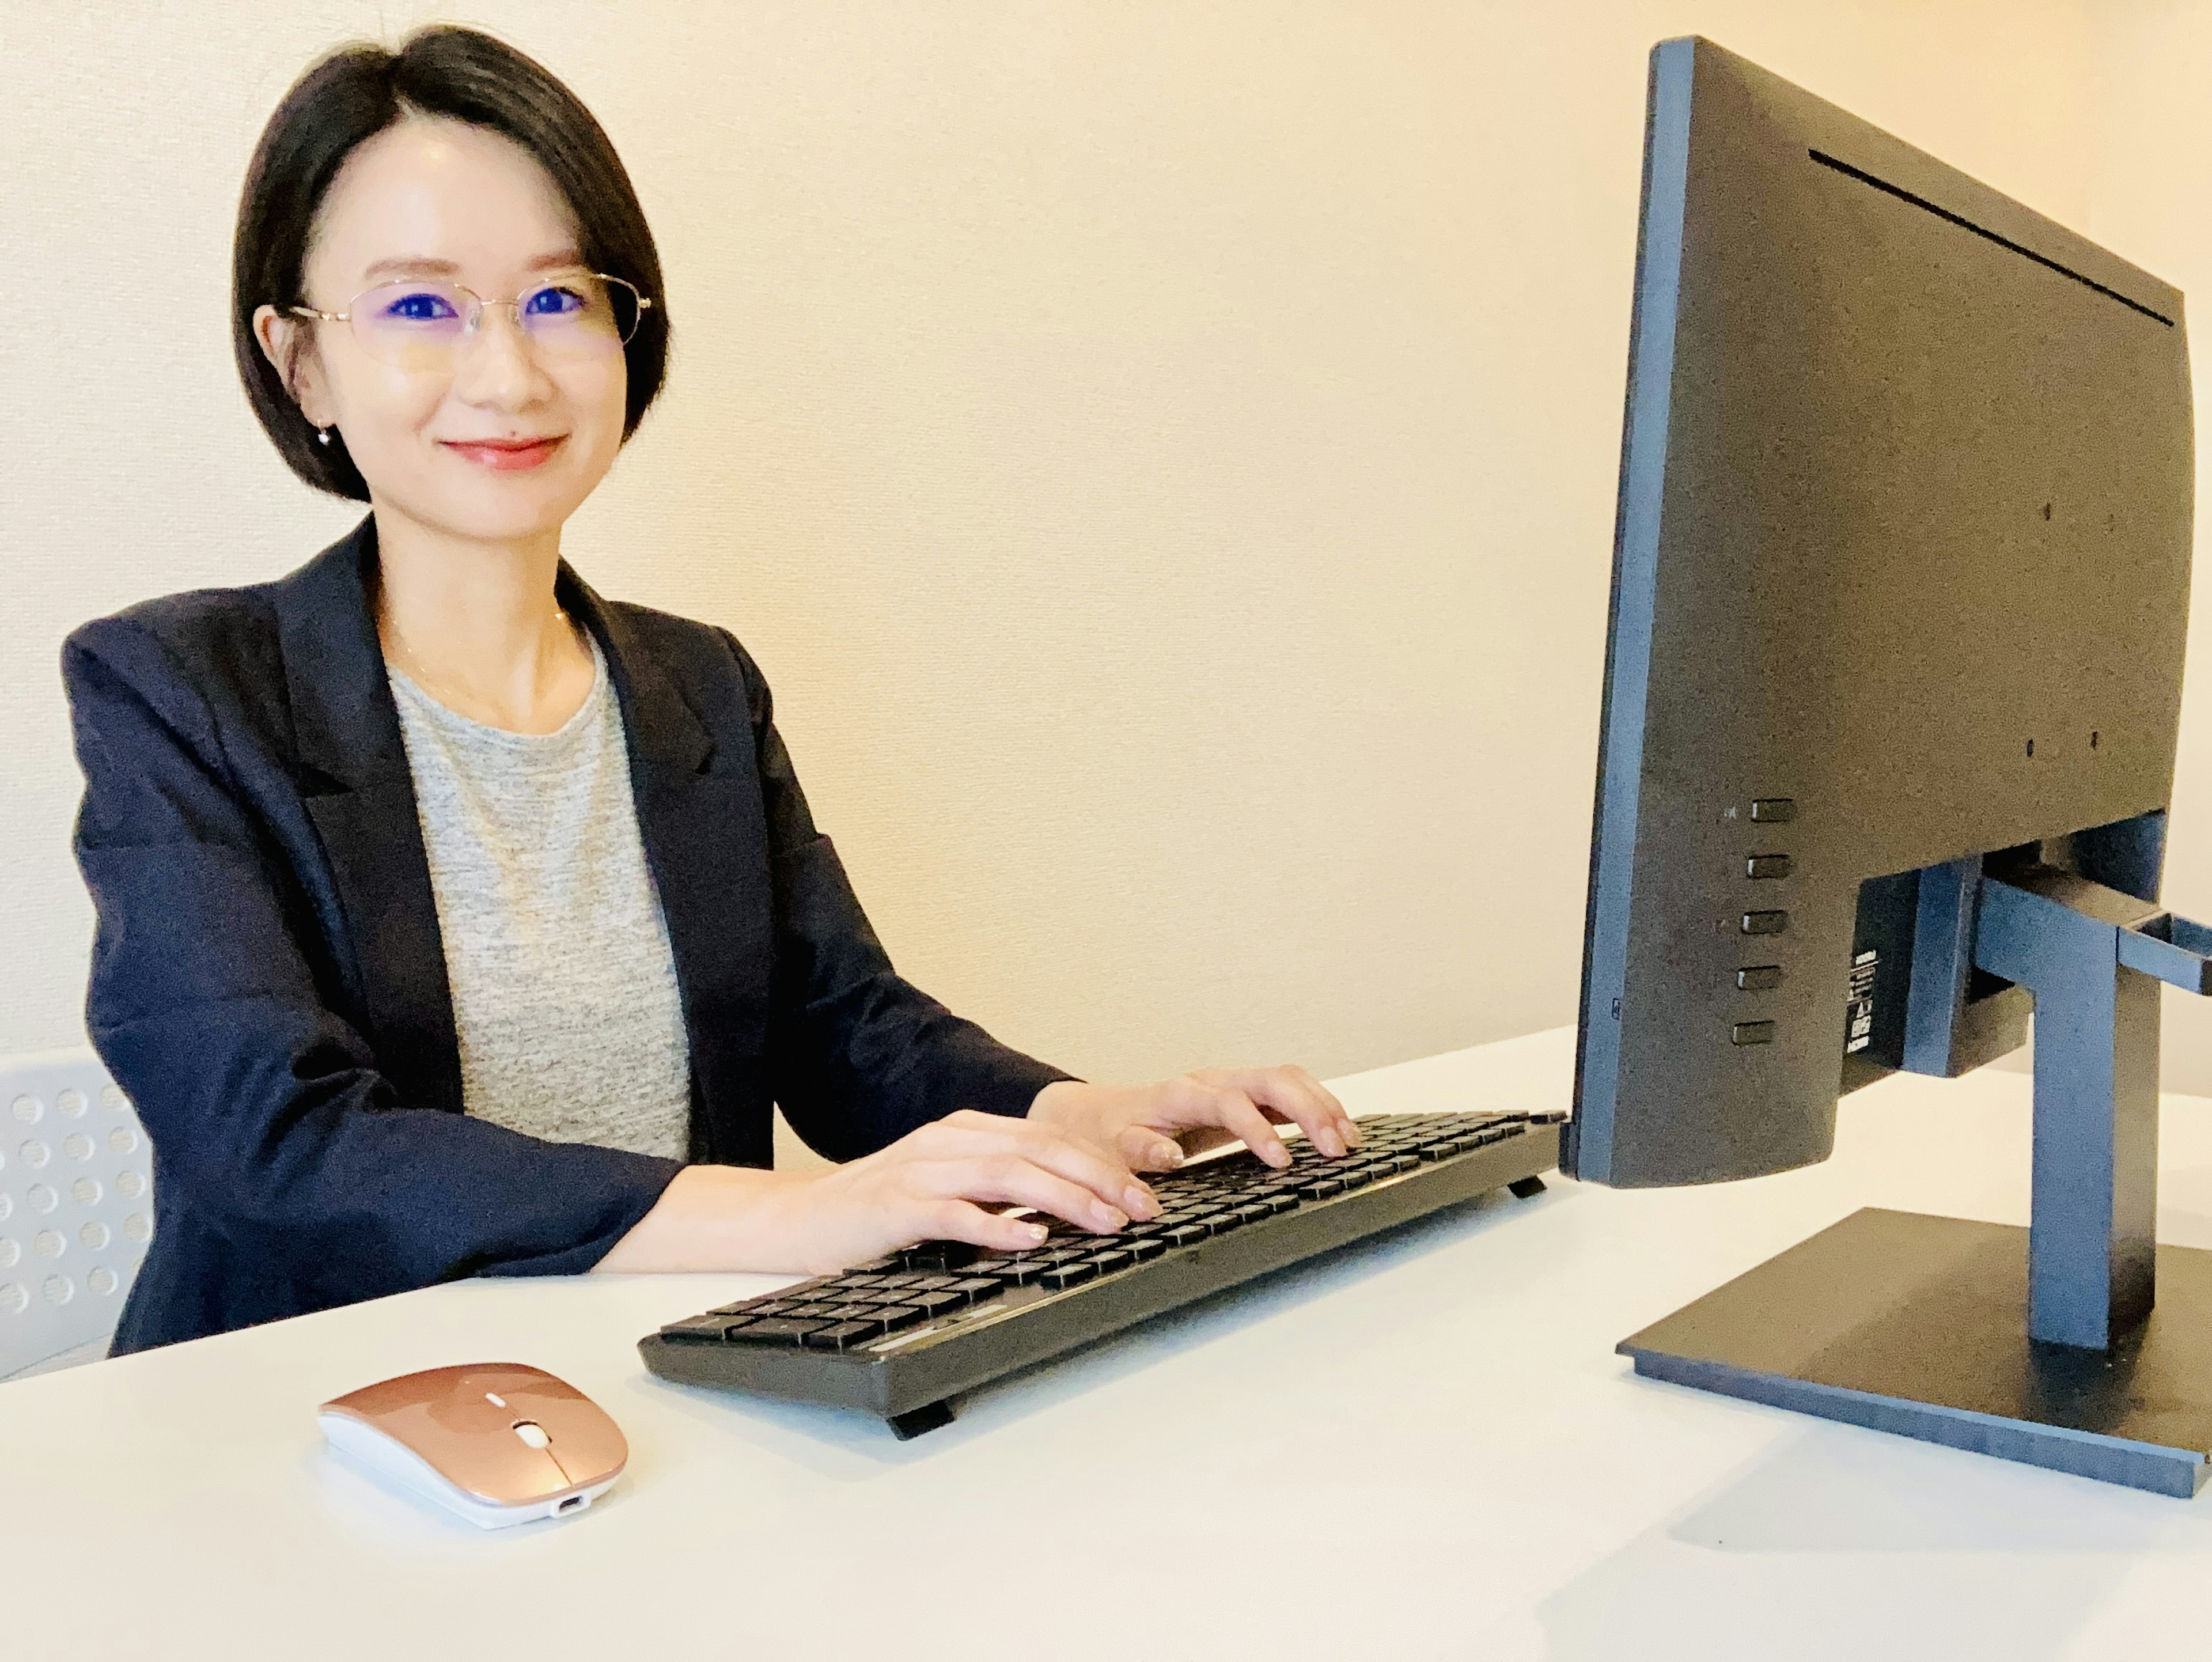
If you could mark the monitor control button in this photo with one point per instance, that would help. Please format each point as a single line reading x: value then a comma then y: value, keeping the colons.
x: 1759, y: 978
x: 1774, y: 810
x: 1751, y: 1032
x: 1767, y: 865
x: 1765, y: 923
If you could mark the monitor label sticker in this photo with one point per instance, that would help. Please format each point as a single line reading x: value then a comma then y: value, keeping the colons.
x: 1859, y: 1011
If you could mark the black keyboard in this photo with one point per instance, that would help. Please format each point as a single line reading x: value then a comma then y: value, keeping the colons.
x: 900, y: 1337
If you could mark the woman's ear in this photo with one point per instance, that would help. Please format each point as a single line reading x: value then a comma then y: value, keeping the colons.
x: 287, y: 343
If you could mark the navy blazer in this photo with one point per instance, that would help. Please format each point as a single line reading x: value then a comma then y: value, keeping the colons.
x: 269, y: 984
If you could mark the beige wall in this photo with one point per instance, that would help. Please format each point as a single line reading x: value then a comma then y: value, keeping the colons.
x: 1161, y: 452
x: 2151, y: 199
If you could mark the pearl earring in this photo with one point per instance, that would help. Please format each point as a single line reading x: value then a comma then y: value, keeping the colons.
x: 322, y: 435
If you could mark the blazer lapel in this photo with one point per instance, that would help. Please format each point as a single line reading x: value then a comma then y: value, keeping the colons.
x: 358, y: 791
x: 700, y: 819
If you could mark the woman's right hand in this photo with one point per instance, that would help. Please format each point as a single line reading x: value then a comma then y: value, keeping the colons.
x: 934, y: 1184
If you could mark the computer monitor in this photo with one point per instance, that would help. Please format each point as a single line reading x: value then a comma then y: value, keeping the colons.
x: 1900, y: 587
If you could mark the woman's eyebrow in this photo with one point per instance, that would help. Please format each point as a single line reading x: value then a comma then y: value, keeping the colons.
x: 423, y: 266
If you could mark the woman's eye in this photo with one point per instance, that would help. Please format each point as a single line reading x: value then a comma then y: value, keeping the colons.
x: 425, y: 306
x: 556, y: 301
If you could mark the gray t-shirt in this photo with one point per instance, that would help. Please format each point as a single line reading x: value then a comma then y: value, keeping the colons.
x: 564, y: 989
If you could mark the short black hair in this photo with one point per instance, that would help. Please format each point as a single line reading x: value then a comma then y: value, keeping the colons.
x: 354, y: 92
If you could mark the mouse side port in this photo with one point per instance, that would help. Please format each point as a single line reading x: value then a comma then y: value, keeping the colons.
x: 571, y: 1503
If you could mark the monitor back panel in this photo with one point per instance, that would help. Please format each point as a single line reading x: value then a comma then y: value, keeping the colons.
x: 1903, y: 543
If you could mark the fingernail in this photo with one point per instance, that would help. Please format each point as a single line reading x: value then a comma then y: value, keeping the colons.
x: 1112, y: 1217
x: 1036, y: 1231
x: 1139, y: 1201
x: 1331, y: 1144
x: 1167, y: 1154
x: 1352, y: 1134
x: 1278, y: 1155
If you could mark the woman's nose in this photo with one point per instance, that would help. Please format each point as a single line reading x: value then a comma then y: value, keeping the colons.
x: 495, y: 364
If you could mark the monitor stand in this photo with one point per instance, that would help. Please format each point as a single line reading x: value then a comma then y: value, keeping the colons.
x: 2077, y: 1343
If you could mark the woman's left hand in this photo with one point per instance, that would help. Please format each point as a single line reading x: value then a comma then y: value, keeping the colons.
x: 1151, y: 1127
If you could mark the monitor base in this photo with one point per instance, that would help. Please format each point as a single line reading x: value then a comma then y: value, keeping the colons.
x: 1914, y: 1325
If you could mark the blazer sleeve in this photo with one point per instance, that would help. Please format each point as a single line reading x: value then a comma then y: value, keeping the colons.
x: 269, y: 1117
x: 857, y: 1056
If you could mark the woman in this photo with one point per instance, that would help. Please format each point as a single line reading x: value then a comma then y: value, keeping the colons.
x: 453, y: 919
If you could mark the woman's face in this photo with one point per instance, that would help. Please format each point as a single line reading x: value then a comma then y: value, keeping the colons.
x: 437, y: 198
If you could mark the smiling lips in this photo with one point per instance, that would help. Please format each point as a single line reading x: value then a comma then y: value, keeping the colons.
x: 505, y: 455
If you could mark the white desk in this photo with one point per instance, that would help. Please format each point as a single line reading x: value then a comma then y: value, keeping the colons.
x: 1427, y: 1451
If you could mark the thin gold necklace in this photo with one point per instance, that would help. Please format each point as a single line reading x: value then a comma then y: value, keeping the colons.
x: 443, y: 693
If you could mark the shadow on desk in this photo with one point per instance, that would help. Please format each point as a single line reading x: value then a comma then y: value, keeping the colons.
x: 842, y: 1444
x: 1834, y: 1543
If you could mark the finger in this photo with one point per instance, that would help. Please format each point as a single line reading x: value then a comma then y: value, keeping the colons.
x: 1326, y: 1094
x: 1008, y: 1177
x: 963, y: 1221
x: 1239, y: 1115
x: 1148, y: 1150
x: 978, y: 1134
x: 1328, y: 1097
x: 1281, y: 1089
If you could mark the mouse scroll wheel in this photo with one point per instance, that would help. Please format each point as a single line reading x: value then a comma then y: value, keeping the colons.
x: 532, y: 1434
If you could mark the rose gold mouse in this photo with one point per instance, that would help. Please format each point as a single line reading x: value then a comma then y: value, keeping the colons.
x: 497, y: 1442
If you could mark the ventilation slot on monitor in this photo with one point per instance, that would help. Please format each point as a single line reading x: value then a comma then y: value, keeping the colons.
x: 1923, y: 204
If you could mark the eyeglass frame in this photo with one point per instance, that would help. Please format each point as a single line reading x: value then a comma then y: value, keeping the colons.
x: 644, y: 304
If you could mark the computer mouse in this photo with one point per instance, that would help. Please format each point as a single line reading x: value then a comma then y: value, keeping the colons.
x: 498, y: 1443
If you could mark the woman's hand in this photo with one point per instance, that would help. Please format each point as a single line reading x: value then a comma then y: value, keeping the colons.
x: 1151, y: 1127
x: 934, y: 1184
x: 1075, y: 1156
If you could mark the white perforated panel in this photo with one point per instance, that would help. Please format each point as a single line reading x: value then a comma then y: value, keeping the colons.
x: 76, y: 1205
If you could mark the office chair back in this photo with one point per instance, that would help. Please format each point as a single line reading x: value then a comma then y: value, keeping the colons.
x: 77, y: 1207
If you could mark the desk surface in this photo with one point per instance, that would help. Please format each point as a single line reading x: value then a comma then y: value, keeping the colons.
x: 1424, y: 1449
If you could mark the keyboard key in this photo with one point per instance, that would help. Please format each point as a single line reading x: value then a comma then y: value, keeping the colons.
x: 1222, y: 1222
x: 1321, y: 1188
x: 709, y: 1328
x: 936, y: 1304
x: 1186, y: 1234
x: 1020, y: 1272
x: 897, y: 1316
x: 1282, y: 1203
x: 775, y: 1329
x: 849, y: 1312
x: 1108, y: 1262
x: 1068, y: 1274
x: 840, y: 1335
x: 1355, y: 1176
x: 1254, y: 1212
x: 937, y: 1256
x: 1145, y: 1251
x: 978, y: 1288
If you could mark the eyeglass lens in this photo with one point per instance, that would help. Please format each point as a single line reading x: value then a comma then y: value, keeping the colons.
x: 415, y: 322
